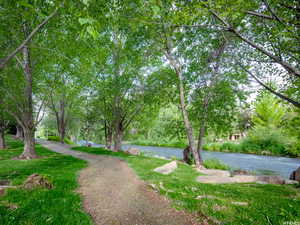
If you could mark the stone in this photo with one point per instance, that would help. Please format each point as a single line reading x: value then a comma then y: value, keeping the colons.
x: 226, y: 180
x: 187, y: 155
x: 291, y: 182
x: 206, y: 196
x: 240, y: 172
x: 266, y: 152
x: 4, y: 182
x: 240, y: 203
x: 212, y: 172
x: 133, y: 151
x: 167, y: 168
x: 2, y: 191
x: 271, y: 179
x: 241, y: 179
x: 36, y: 181
x: 295, y: 175
x: 218, y: 207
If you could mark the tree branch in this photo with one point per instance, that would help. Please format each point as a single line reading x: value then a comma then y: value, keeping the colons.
x: 287, y: 66
x: 295, y: 103
x: 5, y: 60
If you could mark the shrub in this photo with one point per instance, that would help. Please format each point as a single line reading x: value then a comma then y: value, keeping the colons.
x: 266, y: 139
x: 212, y: 146
x: 57, y: 139
x: 215, y: 164
x: 233, y: 147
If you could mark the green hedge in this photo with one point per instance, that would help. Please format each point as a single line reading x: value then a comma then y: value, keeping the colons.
x: 57, y: 139
x: 261, y: 141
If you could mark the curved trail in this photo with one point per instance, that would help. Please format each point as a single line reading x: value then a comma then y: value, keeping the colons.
x: 113, y: 195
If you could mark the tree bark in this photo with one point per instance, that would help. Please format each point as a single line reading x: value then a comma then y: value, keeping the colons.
x: 187, y: 124
x: 29, y: 149
x: 27, y: 114
x: 108, y: 136
x: 201, y: 140
x: 20, y: 133
x: 2, y: 139
x: 118, y: 137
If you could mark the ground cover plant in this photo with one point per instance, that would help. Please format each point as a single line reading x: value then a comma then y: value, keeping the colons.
x: 229, y: 203
x: 60, y: 205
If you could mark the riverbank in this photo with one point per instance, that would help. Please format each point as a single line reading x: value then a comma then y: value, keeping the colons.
x: 228, y: 147
x: 226, y: 204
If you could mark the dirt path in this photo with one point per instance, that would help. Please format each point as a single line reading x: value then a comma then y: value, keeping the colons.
x: 113, y: 195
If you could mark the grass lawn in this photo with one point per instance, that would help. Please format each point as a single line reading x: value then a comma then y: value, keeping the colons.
x: 267, y: 204
x: 59, y: 206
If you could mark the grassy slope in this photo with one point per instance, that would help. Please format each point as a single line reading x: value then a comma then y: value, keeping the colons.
x: 268, y: 204
x: 58, y: 206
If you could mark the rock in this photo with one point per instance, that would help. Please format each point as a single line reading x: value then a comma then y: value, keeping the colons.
x: 266, y: 153
x: 295, y: 175
x: 133, y: 151
x: 244, y: 179
x: 226, y: 180
x: 240, y: 203
x: 167, y: 168
x: 36, y: 181
x: 240, y: 172
x: 212, y: 172
x: 188, y: 155
x: 4, y: 182
x: 241, y: 179
x: 2, y: 191
x: 218, y: 207
x: 261, y: 182
x: 271, y: 179
x: 291, y: 182
x: 206, y: 196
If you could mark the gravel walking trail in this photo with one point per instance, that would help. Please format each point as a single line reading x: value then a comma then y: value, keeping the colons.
x: 113, y: 195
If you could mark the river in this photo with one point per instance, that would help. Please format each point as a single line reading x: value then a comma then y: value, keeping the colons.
x: 282, y: 166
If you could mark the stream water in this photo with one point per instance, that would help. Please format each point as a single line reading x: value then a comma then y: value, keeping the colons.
x: 282, y: 166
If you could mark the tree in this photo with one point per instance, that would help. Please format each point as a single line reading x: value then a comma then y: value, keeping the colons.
x: 269, y: 112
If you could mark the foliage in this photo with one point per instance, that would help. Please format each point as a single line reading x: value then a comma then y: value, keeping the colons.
x: 269, y: 112
x: 180, y: 186
x: 215, y: 164
x: 57, y: 139
x: 61, y: 205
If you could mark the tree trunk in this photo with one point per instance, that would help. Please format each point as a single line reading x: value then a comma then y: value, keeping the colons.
x: 61, y: 121
x: 29, y: 150
x: 27, y: 114
x: 108, y: 136
x: 20, y: 133
x: 118, y: 137
x: 201, y: 140
x: 187, y: 124
x: 2, y: 140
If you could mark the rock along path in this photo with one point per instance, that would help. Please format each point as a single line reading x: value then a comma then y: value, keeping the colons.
x: 113, y: 195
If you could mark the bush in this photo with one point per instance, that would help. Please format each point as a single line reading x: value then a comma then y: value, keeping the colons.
x: 212, y: 146
x: 215, y: 164
x: 229, y: 146
x: 266, y: 139
x: 57, y: 139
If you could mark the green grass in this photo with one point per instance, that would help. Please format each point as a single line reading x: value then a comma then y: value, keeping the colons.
x: 215, y: 164
x: 172, y: 144
x: 57, y: 139
x: 60, y: 205
x: 267, y: 204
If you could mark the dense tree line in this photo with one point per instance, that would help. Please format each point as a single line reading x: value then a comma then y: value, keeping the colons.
x: 105, y: 69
